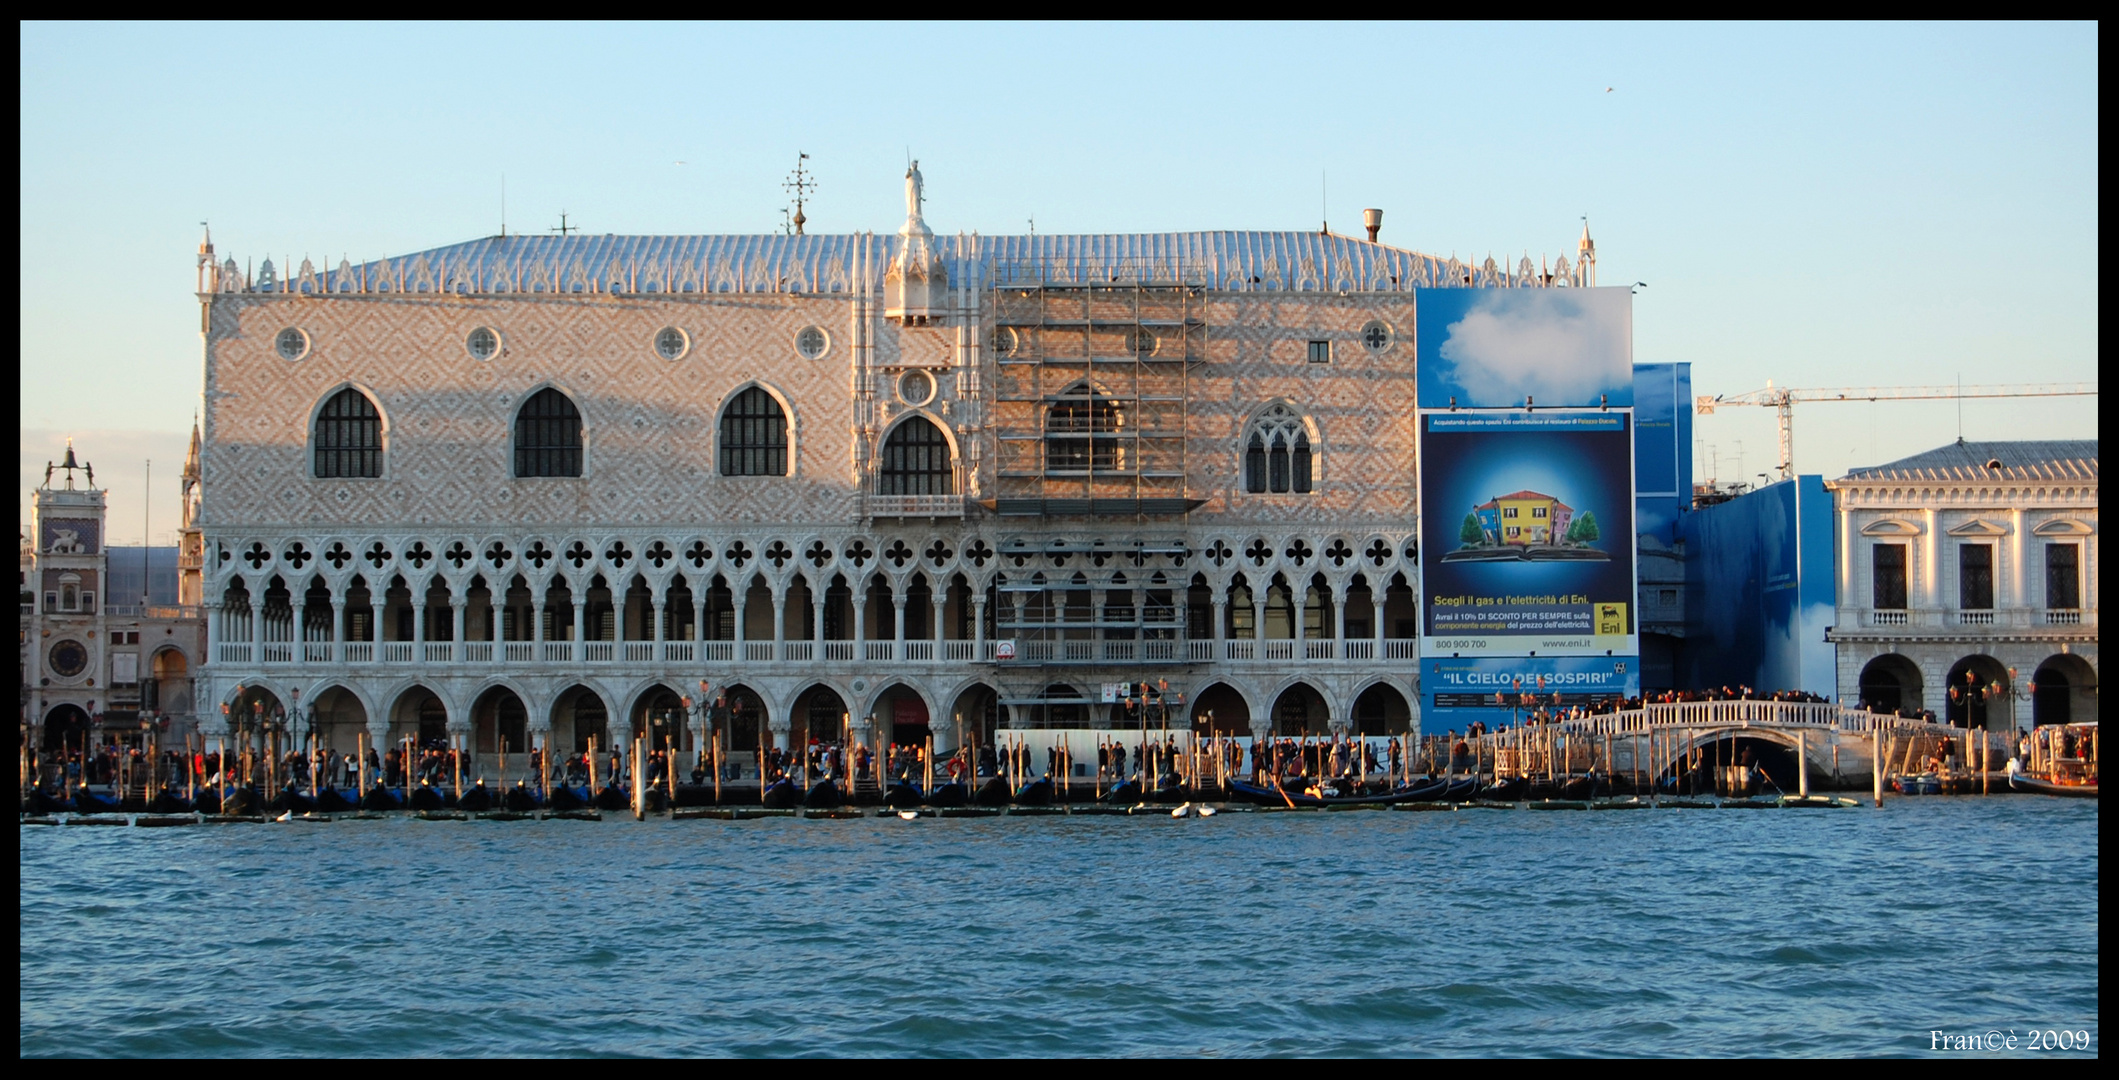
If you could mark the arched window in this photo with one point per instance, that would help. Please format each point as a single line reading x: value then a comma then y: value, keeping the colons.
x: 1082, y: 433
x: 1276, y: 455
x: 916, y: 461
x: 548, y: 436
x: 349, y: 437
x: 753, y: 436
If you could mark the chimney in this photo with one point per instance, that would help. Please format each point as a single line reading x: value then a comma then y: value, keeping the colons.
x: 1373, y: 219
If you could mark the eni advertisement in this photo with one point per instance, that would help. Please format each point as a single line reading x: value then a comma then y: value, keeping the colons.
x: 1526, y: 534
x: 1526, y: 482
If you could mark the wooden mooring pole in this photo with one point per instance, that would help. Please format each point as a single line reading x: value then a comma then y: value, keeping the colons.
x: 1876, y: 757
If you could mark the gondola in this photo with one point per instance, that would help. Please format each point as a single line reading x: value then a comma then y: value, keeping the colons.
x: 1170, y: 790
x: 1037, y: 792
x: 478, y: 798
x: 169, y: 802
x: 823, y: 795
x: 948, y: 796
x: 613, y: 798
x: 993, y: 792
x: 426, y: 799
x: 1585, y: 787
x: 333, y: 801
x: 240, y: 802
x: 577, y: 797
x: 290, y: 801
x: 903, y: 796
x: 44, y: 802
x: 1273, y: 796
x: 1512, y: 789
x: 781, y: 794
x: 207, y: 801
x: 93, y: 802
x: 1123, y: 794
x: 2035, y: 786
x: 520, y: 798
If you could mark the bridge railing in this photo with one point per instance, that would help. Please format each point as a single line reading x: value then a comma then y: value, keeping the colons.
x: 1694, y: 714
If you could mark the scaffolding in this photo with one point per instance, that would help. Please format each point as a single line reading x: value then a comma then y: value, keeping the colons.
x: 1091, y: 391
x: 1089, y: 408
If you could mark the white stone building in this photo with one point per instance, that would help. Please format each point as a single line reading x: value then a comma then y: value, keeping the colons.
x: 95, y: 665
x: 540, y: 487
x: 1968, y: 583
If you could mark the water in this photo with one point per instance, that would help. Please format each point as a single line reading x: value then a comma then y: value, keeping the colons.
x: 1480, y: 932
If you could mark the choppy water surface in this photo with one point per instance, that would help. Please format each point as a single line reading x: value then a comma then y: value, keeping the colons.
x: 1476, y: 932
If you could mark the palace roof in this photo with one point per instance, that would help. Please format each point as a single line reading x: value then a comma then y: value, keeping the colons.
x: 1307, y: 261
x: 2032, y: 459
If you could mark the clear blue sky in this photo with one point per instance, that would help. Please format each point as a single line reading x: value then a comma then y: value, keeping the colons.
x: 1820, y: 205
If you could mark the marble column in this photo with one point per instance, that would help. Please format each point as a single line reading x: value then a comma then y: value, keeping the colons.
x: 338, y: 628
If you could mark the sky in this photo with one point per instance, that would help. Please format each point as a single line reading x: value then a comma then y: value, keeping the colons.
x: 1815, y: 205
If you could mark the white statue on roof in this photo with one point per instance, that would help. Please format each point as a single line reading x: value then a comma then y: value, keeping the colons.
x: 916, y: 283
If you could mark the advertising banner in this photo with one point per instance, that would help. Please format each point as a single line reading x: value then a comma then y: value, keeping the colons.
x: 1526, y: 534
x: 1527, y: 489
x: 1461, y: 690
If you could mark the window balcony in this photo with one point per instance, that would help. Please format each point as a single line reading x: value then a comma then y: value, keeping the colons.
x: 916, y: 506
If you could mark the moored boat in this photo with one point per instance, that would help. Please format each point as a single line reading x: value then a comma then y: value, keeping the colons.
x: 478, y: 798
x: 948, y: 796
x: 1427, y: 791
x: 823, y: 795
x: 2063, y: 762
x: 781, y: 794
x: 2034, y: 786
x: 1512, y: 789
x: 1037, y: 792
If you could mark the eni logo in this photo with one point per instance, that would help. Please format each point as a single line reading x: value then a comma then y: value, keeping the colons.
x: 1611, y: 618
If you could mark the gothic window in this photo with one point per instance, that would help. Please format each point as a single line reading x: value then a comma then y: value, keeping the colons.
x: 1277, y: 455
x: 916, y: 461
x: 349, y: 437
x: 1082, y: 433
x: 548, y: 436
x: 754, y: 436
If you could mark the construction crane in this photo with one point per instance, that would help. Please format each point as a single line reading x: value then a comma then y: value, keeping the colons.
x: 1784, y: 398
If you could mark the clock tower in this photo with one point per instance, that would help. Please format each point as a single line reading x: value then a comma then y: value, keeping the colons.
x: 64, y: 647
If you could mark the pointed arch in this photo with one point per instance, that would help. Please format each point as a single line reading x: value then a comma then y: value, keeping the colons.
x: 547, y: 434
x: 348, y: 434
x: 1279, y: 447
x: 919, y: 457
x: 1084, y: 432
x: 754, y: 432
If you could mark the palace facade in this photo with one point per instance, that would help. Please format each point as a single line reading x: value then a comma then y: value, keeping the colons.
x: 1968, y: 583
x: 530, y: 488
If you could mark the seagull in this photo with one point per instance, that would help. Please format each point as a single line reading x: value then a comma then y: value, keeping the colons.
x: 907, y: 815
x: 1606, y: 90
x: 680, y: 163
